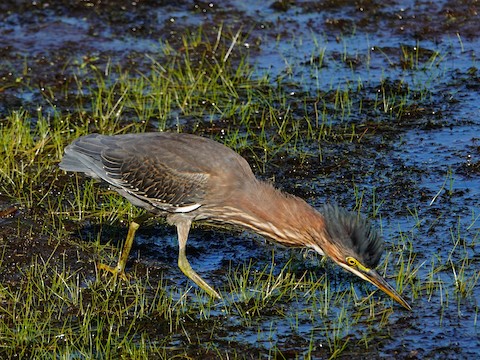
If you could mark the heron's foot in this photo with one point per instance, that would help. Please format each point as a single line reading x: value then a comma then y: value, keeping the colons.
x: 116, y: 271
x: 184, y: 265
x: 208, y: 289
x: 119, y: 270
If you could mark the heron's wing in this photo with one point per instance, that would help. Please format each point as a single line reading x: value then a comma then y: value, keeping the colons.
x: 154, y: 179
x: 148, y: 171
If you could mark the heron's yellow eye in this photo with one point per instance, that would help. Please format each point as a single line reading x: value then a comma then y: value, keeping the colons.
x: 354, y: 262
x: 351, y: 261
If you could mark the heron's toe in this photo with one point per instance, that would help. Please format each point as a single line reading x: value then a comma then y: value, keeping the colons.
x: 116, y: 271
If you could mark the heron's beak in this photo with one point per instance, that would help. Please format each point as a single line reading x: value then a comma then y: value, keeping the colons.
x: 373, y: 277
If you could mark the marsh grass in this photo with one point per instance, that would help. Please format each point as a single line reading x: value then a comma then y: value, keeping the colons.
x: 55, y: 310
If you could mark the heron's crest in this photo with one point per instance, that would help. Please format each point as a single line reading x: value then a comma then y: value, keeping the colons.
x: 354, y: 232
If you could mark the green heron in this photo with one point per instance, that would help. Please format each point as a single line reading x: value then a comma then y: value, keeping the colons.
x: 190, y: 178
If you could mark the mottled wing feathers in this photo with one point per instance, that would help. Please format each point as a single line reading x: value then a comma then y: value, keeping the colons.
x: 151, y: 179
x: 144, y: 171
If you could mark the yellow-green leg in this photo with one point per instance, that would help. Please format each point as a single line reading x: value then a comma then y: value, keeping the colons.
x: 183, y: 227
x: 119, y: 270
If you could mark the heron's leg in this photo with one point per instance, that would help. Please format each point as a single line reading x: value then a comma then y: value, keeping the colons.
x: 119, y: 270
x: 183, y: 227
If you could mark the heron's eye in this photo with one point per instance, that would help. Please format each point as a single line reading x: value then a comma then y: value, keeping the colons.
x: 351, y: 261
x: 354, y: 262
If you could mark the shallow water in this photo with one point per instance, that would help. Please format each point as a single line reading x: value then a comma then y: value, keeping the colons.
x: 423, y: 167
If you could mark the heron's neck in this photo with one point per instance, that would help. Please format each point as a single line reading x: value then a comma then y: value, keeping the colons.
x: 282, y: 217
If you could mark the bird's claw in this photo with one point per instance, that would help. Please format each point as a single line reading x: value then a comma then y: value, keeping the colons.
x: 114, y: 270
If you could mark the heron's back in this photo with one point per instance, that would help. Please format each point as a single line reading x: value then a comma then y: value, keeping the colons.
x: 159, y: 168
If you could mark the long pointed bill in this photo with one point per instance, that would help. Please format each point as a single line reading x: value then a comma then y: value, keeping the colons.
x: 373, y: 277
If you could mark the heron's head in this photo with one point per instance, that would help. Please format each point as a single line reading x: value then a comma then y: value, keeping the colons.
x: 357, y: 247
